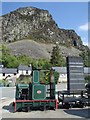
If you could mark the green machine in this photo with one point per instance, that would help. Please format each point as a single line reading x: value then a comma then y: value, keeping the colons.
x: 35, y: 77
x: 22, y: 91
x: 34, y: 95
x: 38, y: 90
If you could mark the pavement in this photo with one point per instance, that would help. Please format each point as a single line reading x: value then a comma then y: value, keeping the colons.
x: 9, y: 92
x: 7, y: 112
x: 7, y: 108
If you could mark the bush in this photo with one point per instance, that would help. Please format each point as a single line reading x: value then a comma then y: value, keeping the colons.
x: 45, y: 77
x: 87, y: 79
x: 56, y: 77
x: 24, y: 79
x: 10, y: 61
x: 86, y: 57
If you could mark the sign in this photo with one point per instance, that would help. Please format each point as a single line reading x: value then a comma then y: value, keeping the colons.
x: 39, y: 92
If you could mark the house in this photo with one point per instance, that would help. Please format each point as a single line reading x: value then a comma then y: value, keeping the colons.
x: 7, y: 72
x: 24, y: 70
x: 63, y: 73
x: 87, y: 71
x: 11, y: 74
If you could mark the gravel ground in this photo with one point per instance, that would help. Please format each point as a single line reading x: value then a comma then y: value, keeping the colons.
x: 39, y: 50
x: 30, y: 48
x: 7, y: 110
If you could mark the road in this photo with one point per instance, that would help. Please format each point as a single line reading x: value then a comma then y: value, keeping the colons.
x: 61, y: 86
x: 9, y: 92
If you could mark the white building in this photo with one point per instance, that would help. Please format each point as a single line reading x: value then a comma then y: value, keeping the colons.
x: 63, y: 73
x: 24, y: 70
x: 11, y: 74
x: 8, y: 73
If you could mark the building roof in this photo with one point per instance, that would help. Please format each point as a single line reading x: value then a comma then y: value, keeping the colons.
x: 87, y: 70
x: 24, y: 67
x: 63, y: 70
x: 8, y: 70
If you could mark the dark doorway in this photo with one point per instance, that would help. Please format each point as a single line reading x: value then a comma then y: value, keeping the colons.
x: 74, y: 43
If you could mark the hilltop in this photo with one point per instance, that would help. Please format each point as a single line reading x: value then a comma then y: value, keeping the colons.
x: 34, y: 32
x: 36, y: 24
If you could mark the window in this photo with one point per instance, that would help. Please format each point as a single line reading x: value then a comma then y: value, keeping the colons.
x: 26, y: 71
x: 3, y: 74
x: 14, y: 73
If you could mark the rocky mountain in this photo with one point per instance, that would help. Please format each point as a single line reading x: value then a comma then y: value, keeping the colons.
x: 38, y: 25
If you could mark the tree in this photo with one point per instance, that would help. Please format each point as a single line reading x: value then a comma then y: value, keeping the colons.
x: 5, y: 50
x: 56, y: 76
x: 87, y: 79
x: 10, y: 61
x: 56, y: 57
x: 24, y: 59
x: 86, y: 57
x: 44, y: 64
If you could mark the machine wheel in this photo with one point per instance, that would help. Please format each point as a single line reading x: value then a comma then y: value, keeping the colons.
x: 67, y: 105
x: 25, y: 109
x: 42, y: 108
x: 19, y: 110
x: 13, y: 104
x: 47, y: 107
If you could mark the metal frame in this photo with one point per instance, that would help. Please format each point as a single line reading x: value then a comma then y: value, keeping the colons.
x: 23, y: 101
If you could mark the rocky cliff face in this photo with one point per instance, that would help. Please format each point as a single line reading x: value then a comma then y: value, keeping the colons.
x: 36, y: 24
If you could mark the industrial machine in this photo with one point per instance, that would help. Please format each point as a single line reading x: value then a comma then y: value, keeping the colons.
x: 76, y: 95
x: 35, y: 95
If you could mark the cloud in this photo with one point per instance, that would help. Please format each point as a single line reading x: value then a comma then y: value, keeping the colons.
x: 84, y: 27
x: 85, y: 41
x: 87, y: 44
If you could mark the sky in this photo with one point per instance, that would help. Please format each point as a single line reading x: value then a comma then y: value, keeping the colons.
x: 45, y: 0
x: 67, y: 15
